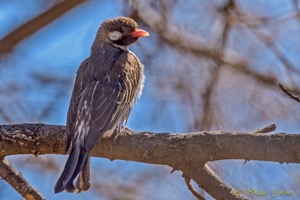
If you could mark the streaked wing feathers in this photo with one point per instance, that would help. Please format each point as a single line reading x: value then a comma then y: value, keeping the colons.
x: 78, y: 91
x: 108, y: 103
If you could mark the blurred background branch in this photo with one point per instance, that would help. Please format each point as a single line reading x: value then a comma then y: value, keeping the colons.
x: 27, y: 29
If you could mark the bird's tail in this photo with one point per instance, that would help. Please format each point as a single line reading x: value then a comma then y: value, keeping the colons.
x: 77, y: 163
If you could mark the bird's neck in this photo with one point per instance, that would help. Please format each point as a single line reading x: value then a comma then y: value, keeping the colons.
x: 99, y: 45
x: 124, y: 48
x: 103, y: 53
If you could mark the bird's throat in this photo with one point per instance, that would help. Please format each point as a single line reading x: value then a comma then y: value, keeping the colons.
x: 125, y: 48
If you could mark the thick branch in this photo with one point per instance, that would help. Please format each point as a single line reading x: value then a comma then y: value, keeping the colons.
x: 179, y: 151
x: 158, y: 148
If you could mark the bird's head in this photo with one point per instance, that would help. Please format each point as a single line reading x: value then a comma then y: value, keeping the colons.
x: 120, y: 32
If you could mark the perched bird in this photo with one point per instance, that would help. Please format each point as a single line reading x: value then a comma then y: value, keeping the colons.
x: 107, y: 85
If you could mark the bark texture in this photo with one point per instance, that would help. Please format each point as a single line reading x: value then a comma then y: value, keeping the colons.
x: 187, y: 152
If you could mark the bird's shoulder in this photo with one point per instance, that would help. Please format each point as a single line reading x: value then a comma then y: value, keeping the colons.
x: 111, y: 67
x: 83, y: 71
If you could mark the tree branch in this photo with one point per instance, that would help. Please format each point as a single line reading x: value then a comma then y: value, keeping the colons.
x: 289, y: 93
x: 16, y: 180
x: 27, y: 29
x: 196, y: 44
x: 266, y: 129
x: 211, y: 183
x: 156, y: 148
x: 182, y: 152
x: 192, y: 189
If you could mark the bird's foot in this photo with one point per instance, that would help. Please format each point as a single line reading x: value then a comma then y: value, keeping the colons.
x: 123, y: 131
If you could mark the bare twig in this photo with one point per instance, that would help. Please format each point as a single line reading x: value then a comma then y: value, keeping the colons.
x: 289, y: 94
x: 266, y: 129
x: 16, y: 180
x: 192, y: 189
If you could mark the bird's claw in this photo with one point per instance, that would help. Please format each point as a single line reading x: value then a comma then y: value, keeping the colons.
x: 123, y: 131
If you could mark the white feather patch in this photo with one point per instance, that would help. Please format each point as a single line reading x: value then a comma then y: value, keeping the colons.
x: 114, y: 35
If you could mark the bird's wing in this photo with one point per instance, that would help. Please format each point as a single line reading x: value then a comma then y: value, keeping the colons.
x: 112, y: 98
x: 100, y: 104
x: 78, y: 90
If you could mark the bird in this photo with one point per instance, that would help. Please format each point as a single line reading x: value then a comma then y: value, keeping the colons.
x: 108, y: 84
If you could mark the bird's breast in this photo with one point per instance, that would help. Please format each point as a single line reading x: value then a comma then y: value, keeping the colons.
x: 140, y: 77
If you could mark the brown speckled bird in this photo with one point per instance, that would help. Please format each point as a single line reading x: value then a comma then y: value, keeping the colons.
x: 107, y: 85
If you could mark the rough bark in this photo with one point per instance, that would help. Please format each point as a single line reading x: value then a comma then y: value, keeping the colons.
x: 185, y: 152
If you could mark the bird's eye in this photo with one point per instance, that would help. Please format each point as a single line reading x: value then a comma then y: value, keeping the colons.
x: 114, y: 35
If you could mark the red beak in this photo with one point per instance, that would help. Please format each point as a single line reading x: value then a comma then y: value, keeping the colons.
x: 139, y: 33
